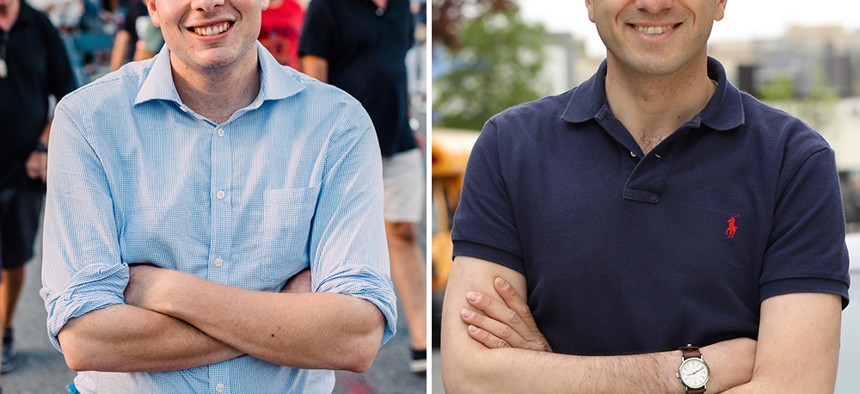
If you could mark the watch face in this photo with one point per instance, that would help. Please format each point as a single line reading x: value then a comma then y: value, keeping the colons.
x: 694, y: 373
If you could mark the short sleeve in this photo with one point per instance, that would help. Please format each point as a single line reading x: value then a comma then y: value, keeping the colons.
x: 316, y: 31
x: 806, y: 251
x: 485, y: 225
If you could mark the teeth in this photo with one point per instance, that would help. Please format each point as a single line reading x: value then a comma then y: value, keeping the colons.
x: 208, y: 31
x: 653, y: 30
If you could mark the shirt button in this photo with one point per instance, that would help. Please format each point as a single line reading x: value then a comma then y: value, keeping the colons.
x: 219, y: 387
x: 220, y: 194
x: 220, y: 132
x: 183, y: 108
x: 218, y: 262
x: 632, y: 153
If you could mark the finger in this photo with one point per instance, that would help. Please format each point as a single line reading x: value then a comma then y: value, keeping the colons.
x: 515, y: 302
x: 499, y: 311
x: 492, y: 327
x: 486, y: 339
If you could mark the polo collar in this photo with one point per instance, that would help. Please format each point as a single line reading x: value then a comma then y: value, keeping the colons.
x: 724, y: 110
x: 276, y: 81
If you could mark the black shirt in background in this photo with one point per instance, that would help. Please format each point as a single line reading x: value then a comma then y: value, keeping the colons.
x: 366, y: 51
x: 38, y: 66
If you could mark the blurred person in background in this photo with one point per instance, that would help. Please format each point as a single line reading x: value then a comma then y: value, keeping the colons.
x: 360, y: 46
x: 33, y: 67
x: 66, y: 17
x: 137, y: 38
x: 280, y: 29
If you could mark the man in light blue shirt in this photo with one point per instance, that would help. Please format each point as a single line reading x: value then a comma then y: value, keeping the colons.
x: 185, y: 191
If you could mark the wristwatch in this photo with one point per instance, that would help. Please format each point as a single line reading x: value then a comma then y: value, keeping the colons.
x: 41, y: 148
x: 693, y: 371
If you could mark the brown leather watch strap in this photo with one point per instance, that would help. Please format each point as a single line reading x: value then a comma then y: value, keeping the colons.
x: 690, y: 351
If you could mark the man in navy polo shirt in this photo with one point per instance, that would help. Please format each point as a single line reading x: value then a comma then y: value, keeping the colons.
x: 651, y: 230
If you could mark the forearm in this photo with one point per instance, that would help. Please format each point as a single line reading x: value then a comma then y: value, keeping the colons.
x: 46, y: 131
x: 316, y: 67
x: 479, y: 369
x: 798, y: 347
x: 125, y: 338
x: 120, y: 48
x: 518, y: 370
x: 309, y: 330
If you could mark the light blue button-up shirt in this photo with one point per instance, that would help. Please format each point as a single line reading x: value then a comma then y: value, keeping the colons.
x: 291, y: 181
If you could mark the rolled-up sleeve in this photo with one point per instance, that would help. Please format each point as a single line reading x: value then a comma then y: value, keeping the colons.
x: 348, y: 249
x: 82, y: 270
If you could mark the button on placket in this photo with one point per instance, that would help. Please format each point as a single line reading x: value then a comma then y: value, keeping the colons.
x: 219, y: 387
x: 221, y: 184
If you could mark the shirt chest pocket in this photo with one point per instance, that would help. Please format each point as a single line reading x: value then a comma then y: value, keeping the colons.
x: 287, y: 217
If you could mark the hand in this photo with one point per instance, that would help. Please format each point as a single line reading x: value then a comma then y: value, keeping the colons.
x: 146, y: 286
x: 37, y: 166
x: 503, y: 324
x: 299, y: 283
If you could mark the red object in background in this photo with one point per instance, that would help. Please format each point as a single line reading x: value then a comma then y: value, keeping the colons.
x: 279, y: 33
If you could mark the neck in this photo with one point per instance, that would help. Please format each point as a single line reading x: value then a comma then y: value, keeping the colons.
x: 651, y: 107
x: 217, y: 94
x: 9, y: 12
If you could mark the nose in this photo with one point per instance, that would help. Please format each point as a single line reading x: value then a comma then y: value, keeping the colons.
x: 654, y: 6
x: 206, y: 5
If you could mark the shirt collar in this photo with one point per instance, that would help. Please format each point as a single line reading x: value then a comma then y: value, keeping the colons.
x: 276, y: 81
x: 724, y: 110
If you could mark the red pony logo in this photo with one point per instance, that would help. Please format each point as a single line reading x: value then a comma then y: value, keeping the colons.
x: 732, y: 229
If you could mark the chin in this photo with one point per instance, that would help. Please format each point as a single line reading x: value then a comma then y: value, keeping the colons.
x: 656, y: 64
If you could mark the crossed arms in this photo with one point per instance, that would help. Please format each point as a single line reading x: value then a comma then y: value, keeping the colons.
x: 498, y: 347
x: 172, y: 320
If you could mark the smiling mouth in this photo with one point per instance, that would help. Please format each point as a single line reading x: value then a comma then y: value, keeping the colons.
x: 211, y: 30
x: 654, y: 30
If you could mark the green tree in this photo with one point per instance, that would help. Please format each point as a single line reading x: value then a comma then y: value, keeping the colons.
x: 496, y: 67
x: 816, y: 108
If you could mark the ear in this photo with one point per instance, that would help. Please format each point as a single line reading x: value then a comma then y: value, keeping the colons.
x: 720, y: 12
x: 590, y: 5
x: 153, y: 12
x: 264, y: 4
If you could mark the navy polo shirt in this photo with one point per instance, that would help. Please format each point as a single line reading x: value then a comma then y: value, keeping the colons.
x: 629, y: 253
x: 366, y: 50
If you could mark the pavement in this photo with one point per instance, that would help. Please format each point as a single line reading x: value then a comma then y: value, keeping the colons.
x: 40, y: 368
